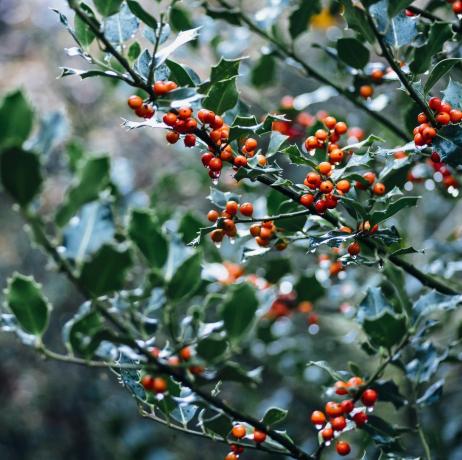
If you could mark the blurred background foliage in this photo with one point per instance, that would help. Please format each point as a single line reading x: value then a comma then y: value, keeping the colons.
x: 53, y: 411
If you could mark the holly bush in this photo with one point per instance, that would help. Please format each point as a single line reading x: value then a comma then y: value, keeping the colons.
x: 310, y: 308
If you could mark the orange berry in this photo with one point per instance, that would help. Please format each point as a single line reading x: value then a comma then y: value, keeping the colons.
x: 215, y: 164
x: 185, y: 353
x: 341, y: 128
x: 341, y: 388
x: 311, y: 143
x: 250, y: 144
x: 338, y: 423
x: 212, y: 215
x: 255, y: 230
x: 369, y: 397
x: 435, y: 103
x: 217, y: 122
x: 159, y: 385
x: 160, y: 88
x: 327, y: 434
x: 333, y: 409
x: 321, y: 134
x: 203, y: 115
x: 318, y: 418
x: 336, y: 156
x: 343, y: 185
x: 147, y: 381
x: 326, y: 186
x: 456, y: 116
x: 443, y: 118
x: 307, y: 199
x: 378, y: 189
x: 170, y: 119
x: 377, y: 75
x: 261, y: 160
x: 422, y: 118
x: 355, y: 382
x: 232, y: 456
x: 238, y: 431
x: 366, y: 91
x: 184, y: 112
x: 313, y: 179
x: 135, y: 102
x: 232, y: 207
x: 325, y: 168
x: 330, y: 122
x: 240, y: 161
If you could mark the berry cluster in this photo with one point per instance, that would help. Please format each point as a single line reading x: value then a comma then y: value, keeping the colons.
x: 319, y: 180
x: 145, y: 109
x: 374, y: 77
x: 444, y: 114
x: 181, y: 122
x: 339, y: 414
x: 227, y: 225
x: 286, y: 304
x: 239, y: 432
x: 265, y: 233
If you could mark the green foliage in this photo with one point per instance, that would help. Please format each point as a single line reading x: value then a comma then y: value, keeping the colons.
x: 83, y: 31
x: 21, y: 174
x: 186, y: 278
x: 352, y: 52
x: 300, y: 17
x: 26, y: 301
x: 107, y: 7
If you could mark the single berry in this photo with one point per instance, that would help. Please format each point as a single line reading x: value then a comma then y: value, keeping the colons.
x: 369, y: 397
x: 354, y: 249
x: 259, y: 436
x: 327, y: 434
x: 366, y: 91
x: 343, y: 185
x: 341, y: 388
x: 360, y: 418
x: 330, y: 122
x: 246, y: 209
x: 190, y: 140
x: 320, y: 206
x: 135, y: 102
x: 377, y: 75
x: 435, y: 103
x: 326, y: 186
x: 217, y: 235
x: 232, y: 456
x: 172, y: 137
x: 255, y: 230
x: 250, y: 144
x: 185, y: 354
x: 318, y: 418
x: 307, y: 199
x: 341, y: 128
x: 215, y: 164
x: 238, y: 431
x: 170, y: 119
x: 338, y: 423
x: 342, y: 448
x: 347, y: 406
x: 159, y: 385
x: 240, y: 160
x: 333, y: 409
x: 379, y: 188
x: 232, y: 208
x: 147, y: 381
x: 325, y: 168
x: 212, y: 215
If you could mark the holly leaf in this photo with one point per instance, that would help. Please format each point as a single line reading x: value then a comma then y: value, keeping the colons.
x: 186, y: 278
x: 83, y: 31
x: 107, y: 7
x: 453, y: 94
x: 24, y: 297
x: 238, y: 310
x: 434, y: 301
x: 16, y: 119
x: 439, y: 71
x: 352, y: 52
x: 20, y: 174
x: 448, y: 144
x: 439, y: 33
x: 105, y: 272
x: 432, y: 394
x: 120, y: 27
x: 273, y: 416
x: 93, y: 178
x: 144, y: 231
x: 222, y: 96
x: 142, y: 14
x: 300, y: 17
x: 383, y: 326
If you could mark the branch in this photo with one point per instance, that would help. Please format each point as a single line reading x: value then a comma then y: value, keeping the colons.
x: 433, y: 17
x: 396, y: 67
x: 309, y: 71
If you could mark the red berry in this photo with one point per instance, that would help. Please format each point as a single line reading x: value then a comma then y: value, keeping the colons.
x: 341, y: 388
x: 343, y: 448
x: 170, y: 119
x: 213, y: 215
x: 215, y: 164
x: 231, y: 208
x: 160, y: 88
x: 237, y: 449
x: 435, y: 103
x: 341, y: 128
x: 148, y: 382
x: 360, y: 418
x: 456, y: 116
x: 338, y: 423
x: 232, y: 456
x: 259, y: 436
x: 422, y: 118
x: 246, y: 209
x: 217, y: 122
x: 206, y: 157
x: 250, y: 144
x: 190, y: 140
x: 435, y: 157
x: 333, y: 409
x: 347, y: 406
x: 445, y: 107
x: 184, y: 112
x: 159, y: 385
x: 327, y: 434
x: 172, y: 137
x: 457, y: 7
x: 369, y: 397
x: 240, y: 160
x: 378, y: 189
x: 354, y: 249
x: 217, y: 235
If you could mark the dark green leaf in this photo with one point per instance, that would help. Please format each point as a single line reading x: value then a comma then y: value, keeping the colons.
x: 180, y: 18
x: 134, y: 51
x: 25, y: 299
x: 186, y: 279
x: 107, y: 7
x: 397, y: 6
x: 239, y: 309
x: 264, y: 70
x: 144, y: 230
x: 300, y: 17
x: 308, y: 288
x: 16, y: 118
x: 142, y: 14
x: 440, y: 32
x: 234, y: 372
x: 179, y: 74
x: 448, y: 144
x: 273, y: 416
x: 439, y: 71
x: 83, y: 31
x: 392, y: 208
x: 222, y: 96
x: 357, y: 20
x: 20, y: 174
x: 389, y: 392
x: 92, y: 178
x: 352, y: 52
x: 380, y: 322
x: 105, y: 271
x: 212, y: 347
